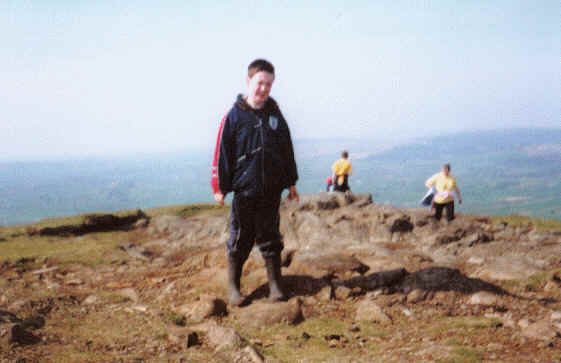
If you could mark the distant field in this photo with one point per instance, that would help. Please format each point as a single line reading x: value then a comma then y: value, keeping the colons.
x: 513, y: 172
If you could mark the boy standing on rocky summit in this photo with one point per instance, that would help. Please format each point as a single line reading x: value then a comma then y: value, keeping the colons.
x: 254, y: 159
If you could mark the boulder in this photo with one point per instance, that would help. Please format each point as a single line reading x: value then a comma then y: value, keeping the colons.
x: 220, y: 337
x: 206, y: 307
x: 368, y: 310
x: 342, y: 293
x: 417, y: 295
x: 507, y: 268
x: 483, y: 298
x: 327, y: 264
x: 541, y: 330
x: 128, y: 293
x: 174, y: 226
x: 265, y: 313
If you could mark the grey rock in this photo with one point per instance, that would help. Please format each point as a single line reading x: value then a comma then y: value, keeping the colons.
x: 342, y: 293
x: 45, y: 270
x: 206, y: 307
x: 541, y: 330
x: 141, y: 223
x: 254, y: 355
x: 264, y: 314
x: 483, y: 298
x: 417, y: 295
x: 91, y: 299
x: 368, y: 310
x: 136, y: 251
x: 334, y: 263
x: 219, y: 336
x: 508, y: 267
x: 128, y: 293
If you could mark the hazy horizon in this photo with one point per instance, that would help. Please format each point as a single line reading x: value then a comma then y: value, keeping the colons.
x: 207, y: 150
x: 501, y: 172
x: 114, y: 78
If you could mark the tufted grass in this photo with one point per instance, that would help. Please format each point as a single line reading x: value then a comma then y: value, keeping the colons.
x: 541, y: 224
x: 287, y: 343
x: 186, y: 210
x: 90, y: 249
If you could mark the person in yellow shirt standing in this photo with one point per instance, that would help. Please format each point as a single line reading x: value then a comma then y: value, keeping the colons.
x: 445, y: 188
x: 342, y: 169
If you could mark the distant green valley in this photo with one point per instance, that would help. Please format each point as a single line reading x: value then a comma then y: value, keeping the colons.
x: 499, y: 173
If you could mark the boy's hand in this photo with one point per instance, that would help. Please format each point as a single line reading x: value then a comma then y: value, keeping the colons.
x: 293, y: 194
x: 219, y: 198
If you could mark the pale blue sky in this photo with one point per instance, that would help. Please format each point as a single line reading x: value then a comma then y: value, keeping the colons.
x: 111, y: 77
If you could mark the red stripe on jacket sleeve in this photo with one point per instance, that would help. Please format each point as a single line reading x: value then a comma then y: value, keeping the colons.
x: 214, y: 181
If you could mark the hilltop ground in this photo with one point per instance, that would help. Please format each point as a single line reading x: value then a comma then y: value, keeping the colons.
x: 367, y: 283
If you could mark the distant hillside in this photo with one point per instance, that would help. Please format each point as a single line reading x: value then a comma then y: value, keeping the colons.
x: 510, y: 144
x: 499, y: 172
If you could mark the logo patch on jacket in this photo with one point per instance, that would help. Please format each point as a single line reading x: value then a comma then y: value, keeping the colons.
x: 273, y: 122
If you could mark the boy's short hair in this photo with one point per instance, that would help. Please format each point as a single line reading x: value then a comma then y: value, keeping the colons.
x: 446, y: 166
x: 345, y: 154
x: 259, y: 65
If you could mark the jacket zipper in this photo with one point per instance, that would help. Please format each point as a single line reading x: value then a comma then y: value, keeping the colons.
x: 262, y: 157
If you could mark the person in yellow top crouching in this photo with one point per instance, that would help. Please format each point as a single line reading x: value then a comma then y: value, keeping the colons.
x: 342, y: 168
x: 445, y: 188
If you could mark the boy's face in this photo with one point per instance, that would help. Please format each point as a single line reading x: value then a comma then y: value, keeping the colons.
x: 259, y: 87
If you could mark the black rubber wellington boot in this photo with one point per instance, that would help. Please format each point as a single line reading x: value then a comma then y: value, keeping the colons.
x: 234, y: 276
x: 274, y: 275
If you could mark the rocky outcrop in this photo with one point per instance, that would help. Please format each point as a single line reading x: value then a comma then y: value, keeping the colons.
x: 364, y: 281
x: 93, y: 223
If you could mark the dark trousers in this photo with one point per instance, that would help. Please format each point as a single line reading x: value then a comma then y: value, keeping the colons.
x: 449, y: 210
x: 255, y: 220
x: 344, y: 186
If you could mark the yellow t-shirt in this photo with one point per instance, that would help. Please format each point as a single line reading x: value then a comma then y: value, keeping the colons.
x: 445, y: 186
x: 341, y: 168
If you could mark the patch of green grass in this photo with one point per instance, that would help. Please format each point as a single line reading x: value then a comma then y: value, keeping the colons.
x: 113, y: 298
x: 538, y: 281
x: 511, y: 285
x: 541, y: 224
x: 161, y: 335
x: 71, y: 356
x: 91, y: 249
x: 186, y: 210
x: 463, y: 354
x: 175, y: 318
x: 466, y: 324
x: 287, y: 343
x: 111, y: 328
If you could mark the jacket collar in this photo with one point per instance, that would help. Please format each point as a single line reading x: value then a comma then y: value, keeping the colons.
x: 241, y: 103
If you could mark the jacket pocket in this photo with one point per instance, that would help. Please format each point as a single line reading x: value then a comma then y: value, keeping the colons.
x: 244, y: 174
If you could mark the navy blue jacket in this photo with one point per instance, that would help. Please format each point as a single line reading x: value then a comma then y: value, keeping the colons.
x: 254, y: 155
